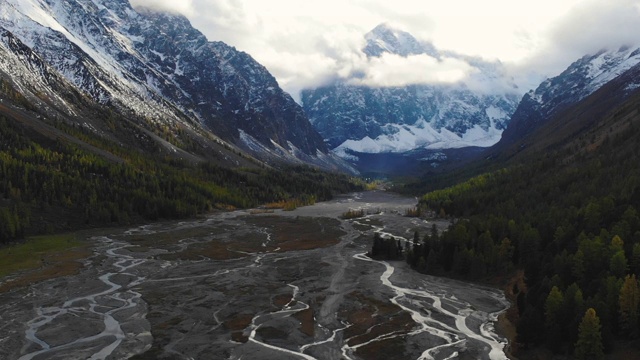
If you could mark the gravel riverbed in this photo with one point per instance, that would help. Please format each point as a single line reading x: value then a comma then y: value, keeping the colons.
x: 255, y: 285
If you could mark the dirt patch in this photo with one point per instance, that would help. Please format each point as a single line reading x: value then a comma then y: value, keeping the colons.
x: 299, y: 233
x: 173, y: 236
x: 373, y: 318
x: 194, y: 243
x: 400, y: 323
x: 280, y: 300
x: 383, y: 350
x: 250, y: 243
x: 307, y: 323
x: 213, y: 249
x: 236, y: 325
x: 272, y: 333
x: 169, y: 324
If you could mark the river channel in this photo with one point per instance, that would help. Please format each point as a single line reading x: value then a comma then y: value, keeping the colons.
x: 255, y: 285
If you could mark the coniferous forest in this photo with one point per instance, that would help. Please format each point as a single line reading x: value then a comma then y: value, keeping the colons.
x: 51, y: 185
x: 568, y: 222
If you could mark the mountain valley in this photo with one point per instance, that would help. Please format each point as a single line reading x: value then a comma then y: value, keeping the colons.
x: 193, y: 208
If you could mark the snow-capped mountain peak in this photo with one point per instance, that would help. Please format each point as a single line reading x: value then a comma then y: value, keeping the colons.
x: 386, y: 39
x: 471, y: 112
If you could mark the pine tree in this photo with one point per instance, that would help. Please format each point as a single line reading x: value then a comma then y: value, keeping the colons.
x: 578, y: 267
x: 589, y: 344
x: 635, y: 258
x: 572, y: 311
x: 552, y: 309
x: 618, y: 264
x: 505, y: 253
x: 629, y: 300
x: 616, y: 244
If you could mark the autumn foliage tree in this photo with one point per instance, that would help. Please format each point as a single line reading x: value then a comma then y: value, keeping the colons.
x: 629, y: 300
x: 589, y: 344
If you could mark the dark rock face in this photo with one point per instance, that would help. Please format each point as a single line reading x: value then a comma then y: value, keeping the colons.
x: 227, y: 88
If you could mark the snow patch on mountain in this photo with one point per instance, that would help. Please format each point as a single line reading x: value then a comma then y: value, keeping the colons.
x: 403, y: 138
x: 29, y: 74
x: 496, y: 114
x: 606, y: 66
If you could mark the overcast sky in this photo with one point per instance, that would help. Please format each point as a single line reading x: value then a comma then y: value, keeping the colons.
x: 312, y: 42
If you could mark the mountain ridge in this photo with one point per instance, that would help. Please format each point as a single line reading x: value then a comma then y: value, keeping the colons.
x: 157, y: 68
x: 555, y: 95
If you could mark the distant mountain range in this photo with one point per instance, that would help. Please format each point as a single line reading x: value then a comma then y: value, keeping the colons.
x: 366, y: 119
x: 156, y: 69
x: 149, y: 80
x: 412, y: 126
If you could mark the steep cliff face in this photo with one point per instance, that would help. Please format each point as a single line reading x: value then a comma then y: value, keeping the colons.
x: 158, y: 68
x: 396, y: 119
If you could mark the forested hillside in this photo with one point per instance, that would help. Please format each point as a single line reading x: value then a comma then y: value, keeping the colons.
x: 569, y: 218
x: 51, y: 184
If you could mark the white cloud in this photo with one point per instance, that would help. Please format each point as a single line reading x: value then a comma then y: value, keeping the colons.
x: 590, y: 27
x: 394, y: 70
x: 308, y: 44
x: 184, y: 7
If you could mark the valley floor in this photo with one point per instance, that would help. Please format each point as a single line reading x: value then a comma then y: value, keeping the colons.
x: 259, y: 285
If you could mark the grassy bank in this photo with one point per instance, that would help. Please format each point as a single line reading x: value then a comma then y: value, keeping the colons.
x: 40, y: 258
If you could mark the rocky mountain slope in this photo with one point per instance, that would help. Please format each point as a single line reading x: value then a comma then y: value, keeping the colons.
x: 397, y: 119
x: 156, y: 70
x: 612, y: 73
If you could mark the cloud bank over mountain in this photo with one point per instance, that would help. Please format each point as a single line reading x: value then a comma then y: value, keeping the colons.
x: 312, y: 45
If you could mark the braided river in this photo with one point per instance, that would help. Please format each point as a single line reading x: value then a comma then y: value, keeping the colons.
x: 255, y: 285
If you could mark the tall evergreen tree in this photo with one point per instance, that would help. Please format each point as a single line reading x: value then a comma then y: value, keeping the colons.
x: 629, y: 300
x: 618, y: 264
x: 635, y: 258
x: 552, y: 309
x: 589, y: 344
